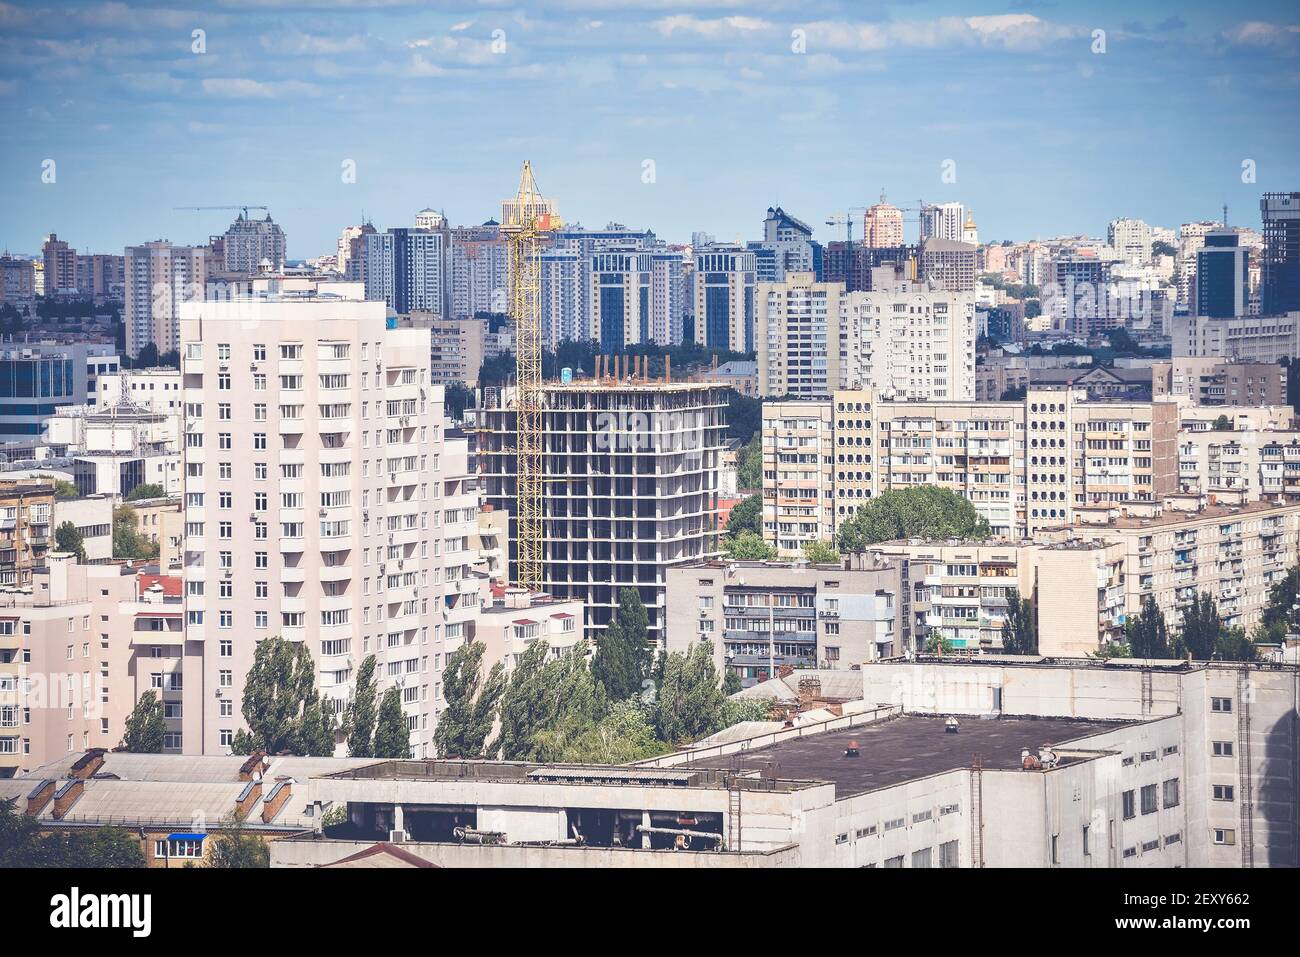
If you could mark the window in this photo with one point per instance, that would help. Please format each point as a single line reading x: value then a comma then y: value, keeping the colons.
x: 1149, y: 799
x: 921, y: 858
x: 1221, y: 704
x: 1223, y: 792
x: 894, y: 861
x: 181, y: 847
x: 1225, y: 836
x: 1087, y: 846
x: 948, y: 854
x: 1171, y: 792
x: 1130, y: 811
x: 1222, y: 749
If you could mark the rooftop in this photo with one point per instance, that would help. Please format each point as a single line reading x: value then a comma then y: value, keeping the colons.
x: 905, y: 749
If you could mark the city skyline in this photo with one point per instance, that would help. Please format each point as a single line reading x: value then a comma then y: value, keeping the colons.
x: 1036, y: 124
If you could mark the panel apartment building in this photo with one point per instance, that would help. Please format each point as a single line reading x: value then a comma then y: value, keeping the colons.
x: 314, y: 501
x: 1023, y: 465
x: 1086, y: 579
x: 764, y: 616
x: 903, y: 339
x: 632, y: 472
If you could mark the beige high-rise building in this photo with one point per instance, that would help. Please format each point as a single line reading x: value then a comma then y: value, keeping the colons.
x: 803, y: 343
x: 317, y: 504
x: 1023, y: 465
x: 882, y: 226
x: 159, y: 278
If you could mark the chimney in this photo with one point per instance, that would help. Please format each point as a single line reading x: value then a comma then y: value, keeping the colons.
x: 67, y: 796
x: 668, y: 368
x: 86, y: 765
x: 276, y: 799
x: 40, y: 797
x: 248, y: 798
x: 253, y: 766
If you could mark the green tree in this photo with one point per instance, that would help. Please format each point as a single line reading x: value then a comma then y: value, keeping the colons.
x: 466, y: 722
x: 938, y: 645
x: 146, y: 490
x: 1234, y: 645
x: 623, y: 653
x: 746, y: 516
x: 281, y: 706
x: 749, y: 464
x: 1146, y: 633
x: 731, y: 683
x: 235, y: 847
x: 1223, y: 424
x: 1020, y: 628
x: 689, y: 703
x: 620, y: 737
x: 525, y: 705
x: 576, y: 702
x: 144, y: 726
x: 63, y: 489
x: 1201, y: 627
x: 821, y: 553
x: 1276, y: 620
x: 925, y: 511
x: 127, y: 540
x: 392, y: 739
x: 359, y: 718
x: 23, y: 845
x: 748, y: 547
x: 67, y: 538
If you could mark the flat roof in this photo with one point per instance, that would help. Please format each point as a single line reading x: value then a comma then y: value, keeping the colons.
x: 905, y: 749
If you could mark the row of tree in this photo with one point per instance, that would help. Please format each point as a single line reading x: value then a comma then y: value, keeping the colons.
x: 624, y: 705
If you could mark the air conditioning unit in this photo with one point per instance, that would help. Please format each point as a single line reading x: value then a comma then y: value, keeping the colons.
x: 397, y: 837
x: 323, y: 512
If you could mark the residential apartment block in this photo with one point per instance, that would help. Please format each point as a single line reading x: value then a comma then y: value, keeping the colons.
x: 159, y: 278
x: 79, y: 645
x: 1023, y: 465
x: 802, y: 337
x: 315, y: 502
x: 1216, y: 381
x: 764, y: 616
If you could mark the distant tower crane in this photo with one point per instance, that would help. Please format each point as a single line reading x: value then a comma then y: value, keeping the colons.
x: 525, y: 220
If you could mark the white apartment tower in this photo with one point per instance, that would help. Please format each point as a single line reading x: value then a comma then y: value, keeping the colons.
x: 943, y: 221
x: 803, y: 343
x: 159, y: 277
x: 313, y: 500
x: 912, y: 342
x: 1131, y: 240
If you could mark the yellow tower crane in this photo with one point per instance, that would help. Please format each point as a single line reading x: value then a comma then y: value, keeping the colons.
x: 525, y: 220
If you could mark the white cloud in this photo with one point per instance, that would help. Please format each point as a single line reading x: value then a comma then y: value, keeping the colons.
x: 687, y: 23
x: 246, y: 89
x: 1259, y: 33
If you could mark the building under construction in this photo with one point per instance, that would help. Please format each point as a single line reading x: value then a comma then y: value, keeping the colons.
x: 630, y: 469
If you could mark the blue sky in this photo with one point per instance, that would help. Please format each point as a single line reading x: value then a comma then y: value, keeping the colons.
x: 1047, y: 136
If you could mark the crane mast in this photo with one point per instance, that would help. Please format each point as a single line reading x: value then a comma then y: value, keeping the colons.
x: 525, y: 220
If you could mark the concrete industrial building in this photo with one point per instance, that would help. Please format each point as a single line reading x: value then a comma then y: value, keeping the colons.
x: 314, y: 451
x: 990, y: 762
x: 632, y: 485
x: 1023, y: 465
x: 764, y: 616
